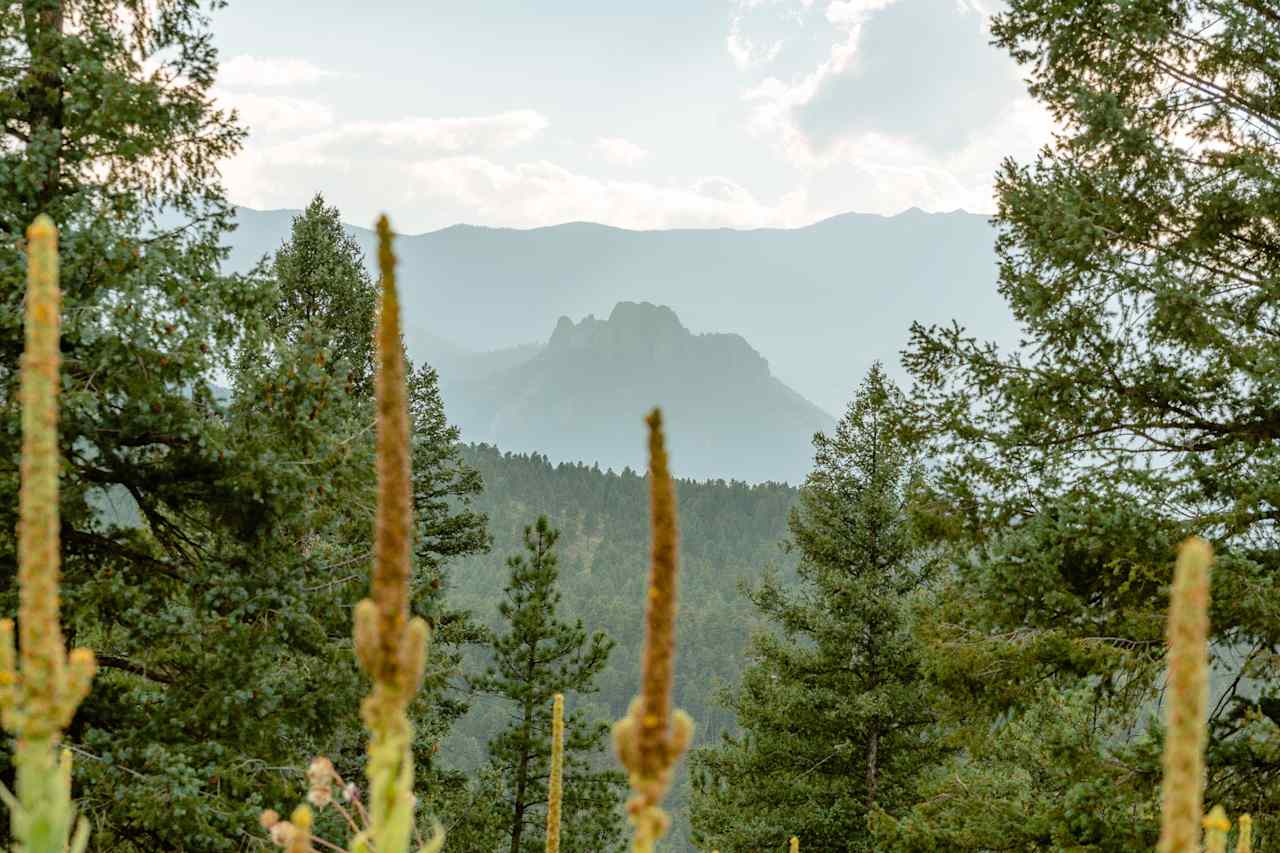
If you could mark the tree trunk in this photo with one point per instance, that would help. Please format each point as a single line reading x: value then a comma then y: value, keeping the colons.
x: 522, y: 770
x: 522, y: 782
x: 873, y: 746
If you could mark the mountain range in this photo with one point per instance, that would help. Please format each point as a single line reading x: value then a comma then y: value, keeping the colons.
x: 754, y: 325
x: 583, y: 394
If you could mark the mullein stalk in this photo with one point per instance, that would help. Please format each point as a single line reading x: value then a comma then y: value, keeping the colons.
x: 1216, y: 827
x: 1188, y: 634
x: 391, y: 647
x: 555, y: 785
x: 650, y: 738
x: 39, y: 696
x: 1244, y: 839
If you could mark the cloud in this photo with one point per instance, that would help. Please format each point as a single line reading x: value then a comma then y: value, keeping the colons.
x: 297, y: 149
x: 916, y: 70
x: 274, y: 114
x: 417, y: 136
x: 909, y: 106
x: 501, y: 130
x: 849, y: 13
x: 746, y: 53
x: 621, y: 152
x: 434, y: 192
x: 254, y: 72
x: 541, y: 192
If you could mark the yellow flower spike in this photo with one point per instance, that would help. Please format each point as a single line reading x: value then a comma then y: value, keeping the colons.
x: 795, y: 844
x: 1244, y: 843
x: 417, y: 642
x: 302, y: 822
x: 555, y: 783
x: 365, y: 631
x: 651, y: 738
x: 1216, y: 827
x: 40, y: 688
x: 9, y: 708
x: 390, y: 646
x: 1188, y: 654
x: 394, y: 531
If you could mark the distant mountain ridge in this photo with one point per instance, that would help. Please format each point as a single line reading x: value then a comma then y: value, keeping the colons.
x: 582, y: 396
x: 820, y: 303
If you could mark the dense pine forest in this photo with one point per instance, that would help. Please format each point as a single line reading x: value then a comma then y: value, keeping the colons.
x: 1026, y: 600
x: 729, y: 533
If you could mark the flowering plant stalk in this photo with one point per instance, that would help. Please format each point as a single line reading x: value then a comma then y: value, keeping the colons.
x: 651, y: 738
x: 40, y: 685
x: 555, y: 785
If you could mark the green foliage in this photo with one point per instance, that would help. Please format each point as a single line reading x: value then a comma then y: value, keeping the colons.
x: 537, y: 657
x: 325, y: 293
x: 208, y: 538
x: 1039, y: 779
x: 837, y: 715
x: 1139, y: 254
x: 109, y: 130
x: 728, y: 531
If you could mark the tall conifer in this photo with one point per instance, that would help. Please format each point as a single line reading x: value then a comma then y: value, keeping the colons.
x: 835, y: 713
x: 1139, y: 255
x: 537, y: 657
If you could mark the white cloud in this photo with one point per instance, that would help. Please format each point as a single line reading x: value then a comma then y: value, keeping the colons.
x: 849, y: 13
x: 276, y: 113
x: 433, y: 192
x: 253, y: 72
x: 296, y: 149
x: 538, y: 193
x: 621, y: 152
x: 418, y: 136
x: 746, y: 53
x: 910, y: 106
x: 915, y: 69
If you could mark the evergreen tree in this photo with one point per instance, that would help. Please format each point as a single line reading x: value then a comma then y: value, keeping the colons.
x: 189, y: 516
x: 1140, y: 255
x: 836, y: 714
x: 325, y: 292
x: 538, y: 657
x: 324, y: 314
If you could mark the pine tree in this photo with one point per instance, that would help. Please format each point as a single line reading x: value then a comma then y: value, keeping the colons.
x: 324, y: 312
x: 188, y: 514
x: 1139, y: 254
x: 835, y: 712
x: 538, y: 657
x: 325, y: 293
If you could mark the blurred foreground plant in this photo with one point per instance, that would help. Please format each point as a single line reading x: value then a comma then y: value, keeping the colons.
x: 1182, y: 792
x: 39, y: 695
x: 650, y: 738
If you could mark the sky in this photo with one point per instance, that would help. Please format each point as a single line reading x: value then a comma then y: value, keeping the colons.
x: 643, y: 115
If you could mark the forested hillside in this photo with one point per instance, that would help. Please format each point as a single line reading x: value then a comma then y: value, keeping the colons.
x: 729, y: 531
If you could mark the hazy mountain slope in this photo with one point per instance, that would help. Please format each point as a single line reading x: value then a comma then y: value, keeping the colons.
x: 583, y: 397
x: 820, y: 303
